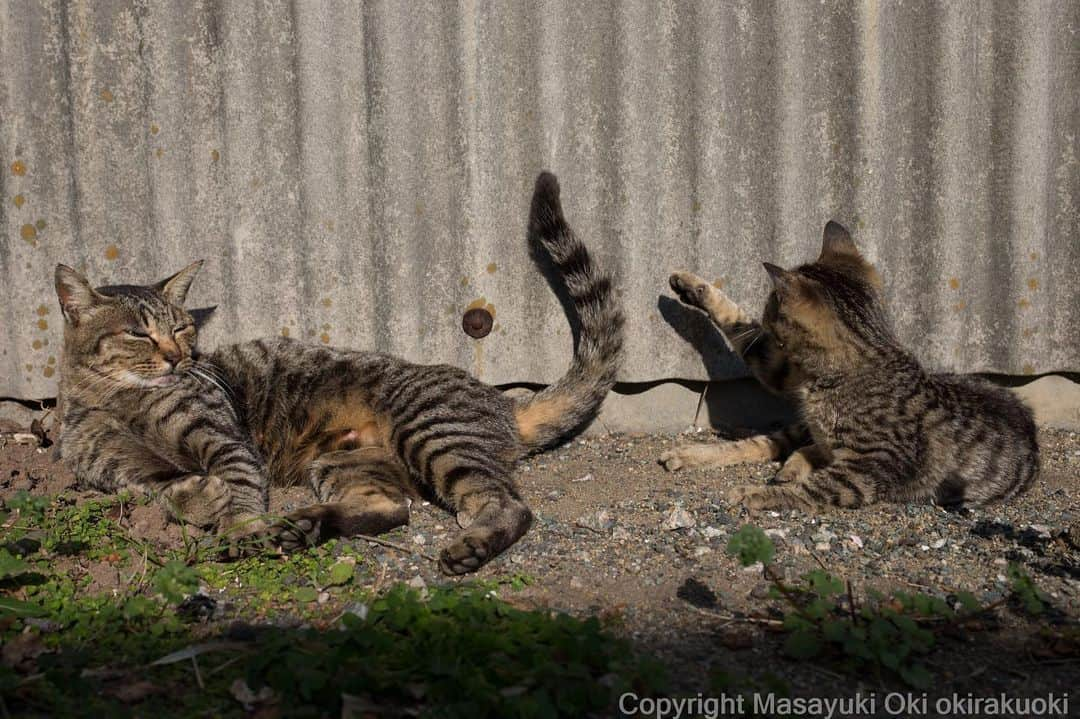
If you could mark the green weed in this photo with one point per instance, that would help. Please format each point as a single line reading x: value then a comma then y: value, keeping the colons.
x: 886, y: 635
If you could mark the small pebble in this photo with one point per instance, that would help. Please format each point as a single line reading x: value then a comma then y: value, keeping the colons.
x: 679, y: 518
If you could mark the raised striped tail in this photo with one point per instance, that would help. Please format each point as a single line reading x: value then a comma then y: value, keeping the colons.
x: 566, y: 406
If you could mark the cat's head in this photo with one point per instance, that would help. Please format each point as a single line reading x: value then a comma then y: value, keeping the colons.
x: 130, y: 335
x: 830, y: 310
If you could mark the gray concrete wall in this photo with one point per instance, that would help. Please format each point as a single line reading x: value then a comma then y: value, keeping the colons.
x: 359, y: 174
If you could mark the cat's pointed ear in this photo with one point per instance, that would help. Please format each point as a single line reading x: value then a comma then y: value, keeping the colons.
x: 175, y: 288
x: 75, y: 293
x: 836, y: 243
x: 780, y: 277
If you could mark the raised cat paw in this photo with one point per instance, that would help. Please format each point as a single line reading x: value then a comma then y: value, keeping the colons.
x: 690, y: 288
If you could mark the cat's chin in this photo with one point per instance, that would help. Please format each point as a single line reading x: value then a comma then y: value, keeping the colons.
x: 165, y: 380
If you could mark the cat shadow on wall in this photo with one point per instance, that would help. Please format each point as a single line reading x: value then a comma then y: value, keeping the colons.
x: 546, y: 267
x: 201, y: 315
x: 736, y: 404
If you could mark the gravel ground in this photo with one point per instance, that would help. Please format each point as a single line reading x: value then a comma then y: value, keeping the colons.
x: 618, y: 536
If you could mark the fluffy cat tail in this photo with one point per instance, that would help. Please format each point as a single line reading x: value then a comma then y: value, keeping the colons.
x: 566, y: 406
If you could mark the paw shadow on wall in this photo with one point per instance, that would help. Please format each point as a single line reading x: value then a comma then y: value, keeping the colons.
x: 735, y: 403
x: 699, y: 332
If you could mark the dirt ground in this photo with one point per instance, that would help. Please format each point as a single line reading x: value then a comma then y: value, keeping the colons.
x: 616, y: 535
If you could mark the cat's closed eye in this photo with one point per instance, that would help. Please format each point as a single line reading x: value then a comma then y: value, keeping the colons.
x: 138, y: 334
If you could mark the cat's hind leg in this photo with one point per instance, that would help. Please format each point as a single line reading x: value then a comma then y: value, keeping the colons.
x: 697, y: 455
x: 360, y: 491
x: 490, y: 511
x: 850, y: 481
x: 759, y: 448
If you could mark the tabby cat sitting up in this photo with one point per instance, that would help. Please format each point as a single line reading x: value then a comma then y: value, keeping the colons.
x: 875, y: 425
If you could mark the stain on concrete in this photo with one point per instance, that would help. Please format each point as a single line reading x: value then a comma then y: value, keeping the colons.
x: 482, y: 304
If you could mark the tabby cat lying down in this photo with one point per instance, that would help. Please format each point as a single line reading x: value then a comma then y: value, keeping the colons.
x: 143, y: 411
x: 876, y: 426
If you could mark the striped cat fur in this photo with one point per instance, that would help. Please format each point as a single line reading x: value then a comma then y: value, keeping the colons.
x: 875, y: 425
x: 210, y: 434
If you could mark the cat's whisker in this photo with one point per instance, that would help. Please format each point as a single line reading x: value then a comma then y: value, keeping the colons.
x: 746, y: 349
x: 745, y: 333
x: 210, y: 374
x: 202, y: 376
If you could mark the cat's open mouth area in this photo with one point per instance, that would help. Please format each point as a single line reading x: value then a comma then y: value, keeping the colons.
x: 615, y: 536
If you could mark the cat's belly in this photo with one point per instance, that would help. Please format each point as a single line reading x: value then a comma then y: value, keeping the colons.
x: 324, y: 425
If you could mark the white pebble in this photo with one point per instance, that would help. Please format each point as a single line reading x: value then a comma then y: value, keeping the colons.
x: 678, y: 518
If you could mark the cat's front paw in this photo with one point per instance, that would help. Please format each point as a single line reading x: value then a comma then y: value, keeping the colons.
x: 300, y: 529
x: 690, y: 288
x: 200, y: 500
x: 795, y: 469
x: 245, y: 536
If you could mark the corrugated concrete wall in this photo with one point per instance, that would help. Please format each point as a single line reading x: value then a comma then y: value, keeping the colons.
x: 359, y: 174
